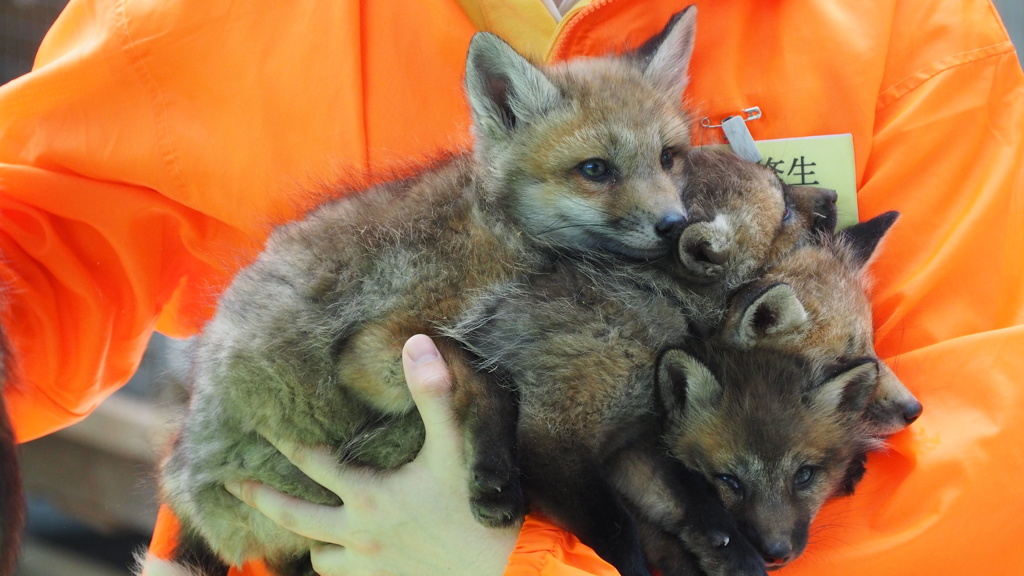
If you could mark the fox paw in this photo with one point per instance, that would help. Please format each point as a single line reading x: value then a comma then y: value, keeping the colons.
x: 704, y: 250
x: 497, y: 498
x: 722, y: 551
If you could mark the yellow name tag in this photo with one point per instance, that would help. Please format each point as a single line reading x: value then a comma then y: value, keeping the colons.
x: 825, y: 161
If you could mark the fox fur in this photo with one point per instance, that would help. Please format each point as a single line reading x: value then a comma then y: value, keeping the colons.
x: 12, y: 497
x: 306, y: 343
x: 774, y: 434
x: 810, y: 304
x: 732, y: 230
x: 580, y: 342
x: 830, y: 281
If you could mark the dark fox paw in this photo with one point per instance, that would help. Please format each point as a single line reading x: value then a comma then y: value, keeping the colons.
x: 716, y: 541
x: 726, y: 553
x: 497, y: 498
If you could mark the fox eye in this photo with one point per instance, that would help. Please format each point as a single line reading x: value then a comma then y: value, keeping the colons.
x: 595, y: 169
x: 787, y: 215
x: 803, y: 476
x: 732, y: 482
x: 668, y: 158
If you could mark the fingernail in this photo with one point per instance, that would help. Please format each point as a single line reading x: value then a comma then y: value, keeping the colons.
x: 421, y: 349
x: 235, y: 488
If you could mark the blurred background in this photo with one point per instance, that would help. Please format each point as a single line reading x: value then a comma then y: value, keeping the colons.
x: 91, y: 487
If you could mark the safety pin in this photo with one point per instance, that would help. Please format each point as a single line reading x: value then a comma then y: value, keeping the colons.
x: 753, y: 113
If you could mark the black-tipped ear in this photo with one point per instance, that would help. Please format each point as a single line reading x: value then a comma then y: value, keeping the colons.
x: 666, y: 56
x: 758, y: 312
x: 682, y: 380
x: 849, y: 387
x: 863, y: 238
x: 505, y: 90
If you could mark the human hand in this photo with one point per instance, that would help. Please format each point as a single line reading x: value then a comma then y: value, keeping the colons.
x: 411, y: 521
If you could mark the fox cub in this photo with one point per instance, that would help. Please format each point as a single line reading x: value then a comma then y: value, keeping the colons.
x: 810, y: 311
x: 579, y: 343
x: 732, y: 231
x: 773, y: 433
x: 306, y: 343
x: 830, y: 282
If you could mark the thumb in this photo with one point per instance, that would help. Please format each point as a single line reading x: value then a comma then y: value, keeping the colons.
x: 430, y: 385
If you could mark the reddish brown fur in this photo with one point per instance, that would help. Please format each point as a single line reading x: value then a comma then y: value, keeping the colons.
x: 580, y: 341
x: 736, y: 227
x: 831, y: 283
x: 306, y: 342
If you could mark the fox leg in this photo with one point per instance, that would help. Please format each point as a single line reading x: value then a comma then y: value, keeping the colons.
x: 569, y: 485
x: 487, y: 406
x: 665, y: 551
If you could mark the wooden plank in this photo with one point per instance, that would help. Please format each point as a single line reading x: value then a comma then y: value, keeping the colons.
x: 103, y: 469
x: 42, y: 559
x: 123, y: 425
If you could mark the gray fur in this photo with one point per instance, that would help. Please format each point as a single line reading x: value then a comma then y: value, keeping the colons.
x: 581, y: 340
x: 305, y: 344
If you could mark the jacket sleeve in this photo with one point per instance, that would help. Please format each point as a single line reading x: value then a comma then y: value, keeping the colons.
x: 544, y: 549
x: 153, y: 146
x: 91, y: 252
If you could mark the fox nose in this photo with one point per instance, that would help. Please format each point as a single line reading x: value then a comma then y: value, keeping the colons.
x: 669, y: 224
x: 777, y: 553
x: 825, y: 212
x: 828, y: 197
x: 912, y: 412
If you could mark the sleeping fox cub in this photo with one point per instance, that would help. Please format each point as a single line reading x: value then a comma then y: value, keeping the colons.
x: 306, y: 343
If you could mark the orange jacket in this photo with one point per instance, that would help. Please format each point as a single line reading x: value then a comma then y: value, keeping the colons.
x: 144, y: 159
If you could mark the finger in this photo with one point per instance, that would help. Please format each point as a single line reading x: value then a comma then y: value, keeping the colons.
x: 314, y: 521
x: 430, y: 386
x: 329, y: 559
x: 316, y: 462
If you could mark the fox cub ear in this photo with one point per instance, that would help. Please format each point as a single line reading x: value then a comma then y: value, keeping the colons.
x: 666, y: 57
x: 505, y: 90
x: 848, y: 387
x: 758, y: 312
x: 682, y: 380
x: 863, y: 238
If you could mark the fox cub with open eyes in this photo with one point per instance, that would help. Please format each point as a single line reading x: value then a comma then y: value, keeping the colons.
x: 773, y: 433
x: 809, y: 313
x: 579, y: 343
x: 306, y: 343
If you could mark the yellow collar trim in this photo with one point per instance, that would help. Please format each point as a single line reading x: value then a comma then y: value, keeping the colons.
x: 528, y: 25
